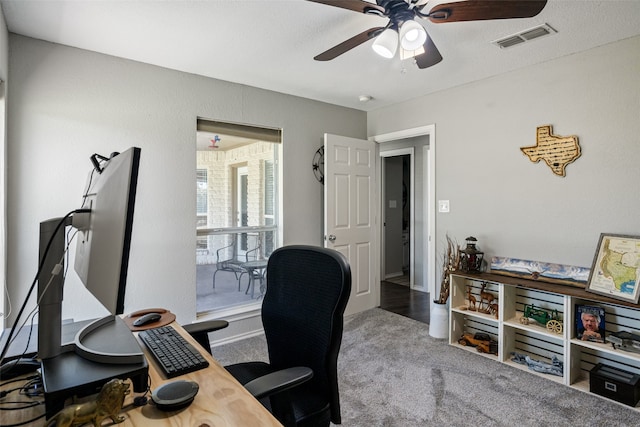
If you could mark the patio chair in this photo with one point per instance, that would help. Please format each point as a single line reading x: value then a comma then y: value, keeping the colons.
x: 234, y: 263
x: 231, y: 264
x: 255, y: 272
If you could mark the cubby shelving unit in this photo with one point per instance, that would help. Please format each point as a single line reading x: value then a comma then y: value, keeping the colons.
x: 504, y: 324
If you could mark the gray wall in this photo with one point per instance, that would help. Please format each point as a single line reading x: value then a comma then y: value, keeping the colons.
x: 69, y: 103
x: 517, y: 208
x: 4, y: 52
x: 66, y: 104
x: 4, y: 47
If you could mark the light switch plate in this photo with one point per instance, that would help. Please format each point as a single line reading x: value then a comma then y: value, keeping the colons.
x: 443, y: 206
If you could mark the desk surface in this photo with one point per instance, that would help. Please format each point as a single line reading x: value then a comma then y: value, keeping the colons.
x: 221, y: 401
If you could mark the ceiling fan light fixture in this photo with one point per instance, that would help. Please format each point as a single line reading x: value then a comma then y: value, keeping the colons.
x: 412, y: 35
x: 386, y: 43
x: 407, y: 54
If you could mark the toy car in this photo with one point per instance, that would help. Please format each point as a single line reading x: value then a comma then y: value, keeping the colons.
x: 549, y: 318
x: 481, y: 341
x: 624, y: 340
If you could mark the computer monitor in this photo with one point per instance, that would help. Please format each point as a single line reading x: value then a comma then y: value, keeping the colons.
x: 103, y: 245
x: 104, y: 224
x: 105, y: 348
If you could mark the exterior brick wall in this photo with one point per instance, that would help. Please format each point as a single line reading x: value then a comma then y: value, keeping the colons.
x: 221, y: 169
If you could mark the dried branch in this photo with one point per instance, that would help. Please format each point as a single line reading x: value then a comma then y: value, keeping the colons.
x: 450, y: 262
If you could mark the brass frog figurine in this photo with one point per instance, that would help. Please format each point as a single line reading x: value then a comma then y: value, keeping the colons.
x: 107, y: 404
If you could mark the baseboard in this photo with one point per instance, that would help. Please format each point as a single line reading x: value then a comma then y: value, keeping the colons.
x: 392, y: 275
x: 237, y: 337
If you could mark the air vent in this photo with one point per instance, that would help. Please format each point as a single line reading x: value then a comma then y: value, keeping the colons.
x: 525, y: 36
x: 511, y: 41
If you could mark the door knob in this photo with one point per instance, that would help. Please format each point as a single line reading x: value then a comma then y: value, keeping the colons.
x: 332, y: 238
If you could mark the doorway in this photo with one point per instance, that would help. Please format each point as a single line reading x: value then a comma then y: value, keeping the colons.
x: 423, y: 141
x: 398, y: 237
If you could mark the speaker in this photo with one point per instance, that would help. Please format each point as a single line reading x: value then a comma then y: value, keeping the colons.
x: 175, y: 395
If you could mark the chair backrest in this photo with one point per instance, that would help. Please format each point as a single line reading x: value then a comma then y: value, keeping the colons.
x: 302, y: 313
x: 254, y: 247
x: 226, y: 253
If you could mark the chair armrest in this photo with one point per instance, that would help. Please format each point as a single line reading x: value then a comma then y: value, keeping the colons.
x: 208, y: 326
x: 200, y: 331
x: 278, y: 381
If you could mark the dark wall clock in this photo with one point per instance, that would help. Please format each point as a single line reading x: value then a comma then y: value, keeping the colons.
x: 318, y: 164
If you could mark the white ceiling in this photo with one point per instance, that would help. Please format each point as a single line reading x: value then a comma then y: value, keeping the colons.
x: 271, y: 43
x: 205, y: 141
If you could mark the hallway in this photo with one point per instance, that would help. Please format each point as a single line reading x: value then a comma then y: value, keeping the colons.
x: 404, y: 301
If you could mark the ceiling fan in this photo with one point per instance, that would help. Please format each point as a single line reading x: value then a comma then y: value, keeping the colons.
x: 404, y: 30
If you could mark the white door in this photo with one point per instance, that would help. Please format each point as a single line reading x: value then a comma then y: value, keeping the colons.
x: 350, y: 222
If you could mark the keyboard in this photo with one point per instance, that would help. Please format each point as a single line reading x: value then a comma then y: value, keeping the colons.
x: 172, y: 352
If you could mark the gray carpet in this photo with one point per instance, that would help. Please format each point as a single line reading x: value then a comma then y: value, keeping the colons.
x: 392, y: 373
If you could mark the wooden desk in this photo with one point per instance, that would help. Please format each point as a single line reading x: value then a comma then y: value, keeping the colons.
x: 221, y: 401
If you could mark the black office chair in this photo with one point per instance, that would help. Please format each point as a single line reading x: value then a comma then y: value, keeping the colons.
x: 302, y: 315
x: 200, y: 331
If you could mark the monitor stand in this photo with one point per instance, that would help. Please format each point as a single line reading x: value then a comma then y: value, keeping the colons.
x: 27, y: 338
x: 72, y: 373
x: 108, y: 340
x: 101, y: 351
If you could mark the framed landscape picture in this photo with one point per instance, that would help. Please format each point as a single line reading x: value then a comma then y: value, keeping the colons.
x: 615, y: 271
x: 590, y: 323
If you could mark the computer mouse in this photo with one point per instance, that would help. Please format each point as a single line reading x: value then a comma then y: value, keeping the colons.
x: 146, y: 319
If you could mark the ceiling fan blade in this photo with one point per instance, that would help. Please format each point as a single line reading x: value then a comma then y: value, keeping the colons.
x: 355, y: 5
x: 431, y: 55
x: 479, y: 10
x: 348, y: 44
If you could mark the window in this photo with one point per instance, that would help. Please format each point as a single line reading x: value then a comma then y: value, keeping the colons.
x: 201, y: 206
x: 201, y: 194
x: 269, y: 202
x: 237, y: 209
x: 242, y: 205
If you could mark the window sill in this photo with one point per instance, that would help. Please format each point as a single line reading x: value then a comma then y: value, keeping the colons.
x: 234, y: 313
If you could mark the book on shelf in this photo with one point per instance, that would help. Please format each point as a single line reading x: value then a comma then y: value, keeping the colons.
x: 590, y: 323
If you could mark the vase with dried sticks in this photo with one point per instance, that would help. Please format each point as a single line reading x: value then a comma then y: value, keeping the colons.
x: 450, y: 261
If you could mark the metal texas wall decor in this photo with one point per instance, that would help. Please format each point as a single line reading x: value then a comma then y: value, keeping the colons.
x: 557, y: 151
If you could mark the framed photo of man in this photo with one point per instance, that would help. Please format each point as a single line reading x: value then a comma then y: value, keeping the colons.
x: 590, y: 324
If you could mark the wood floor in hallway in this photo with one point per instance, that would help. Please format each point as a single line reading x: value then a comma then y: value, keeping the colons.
x: 404, y: 301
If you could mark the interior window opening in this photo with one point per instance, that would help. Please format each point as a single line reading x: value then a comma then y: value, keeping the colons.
x: 237, y: 215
